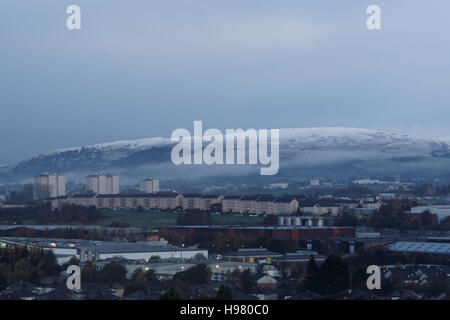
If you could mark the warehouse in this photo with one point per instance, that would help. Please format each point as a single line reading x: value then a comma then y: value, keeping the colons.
x: 256, y: 232
x: 137, y: 251
x: 86, y: 250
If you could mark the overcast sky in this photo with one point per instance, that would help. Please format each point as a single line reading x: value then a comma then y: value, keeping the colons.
x: 143, y: 68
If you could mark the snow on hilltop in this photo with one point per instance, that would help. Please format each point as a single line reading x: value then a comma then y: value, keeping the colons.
x: 130, y: 144
x: 318, y: 138
x: 298, y: 147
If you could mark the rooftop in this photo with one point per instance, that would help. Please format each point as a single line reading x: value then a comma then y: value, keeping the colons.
x: 424, y: 247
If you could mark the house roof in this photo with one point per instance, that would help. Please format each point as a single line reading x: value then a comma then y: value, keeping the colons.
x: 284, y: 199
x: 232, y: 197
x: 252, y: 252
x: 250, y: 198
x: 191, y: 195
x: 210, y: 196
x: 85, y: 195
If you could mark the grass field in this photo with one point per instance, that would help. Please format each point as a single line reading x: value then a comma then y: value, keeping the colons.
x: 151, y: 219
x: 148, y: 219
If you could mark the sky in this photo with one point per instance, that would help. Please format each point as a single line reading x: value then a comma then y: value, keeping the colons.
x: 144, y: 68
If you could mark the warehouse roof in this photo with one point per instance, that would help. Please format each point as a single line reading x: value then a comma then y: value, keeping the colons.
x: 133, y: 248
x: 423, y: 247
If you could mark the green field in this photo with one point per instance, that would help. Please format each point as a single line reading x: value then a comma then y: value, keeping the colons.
x: 151, y: 219
x: 148, y: 219
x: 235, y: 219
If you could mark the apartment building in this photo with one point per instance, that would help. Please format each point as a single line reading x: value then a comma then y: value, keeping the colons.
x: 248, y: 204
x: 209, y: 200
x: 256, y: 204
x: 191, y: 201
x: 284, y: 205
x: 86, y: 200
x: 49, y: 186
x: 111, y: 184
x: 332, y: 207
x: 231, y: 204
x: 159, y: 200
x: 264, y: 204
x: 149, y: 185
x: 95, y: 184
x: 102, y: 184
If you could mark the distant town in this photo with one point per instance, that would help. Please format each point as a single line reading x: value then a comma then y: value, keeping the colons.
x: 142, y: 242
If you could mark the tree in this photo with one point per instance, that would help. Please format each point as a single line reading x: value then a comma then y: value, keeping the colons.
x: 199, y: 256
x: 198, y: 274
x: 74, y: 261
x: 155, y: 259
x: 23, y: 196
x: 426, y: 218
x: 332, y: 277
x: 113, y: 273
x: 47, y: 263
x: 224, y: 293
x: 3, y: 281
x: 89, y: 273
x: 246, y: 282
x: 312, y: 266
x: 171, y: 294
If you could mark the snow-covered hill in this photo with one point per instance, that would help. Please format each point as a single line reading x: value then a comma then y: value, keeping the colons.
x: 298, y: 147
x: 319, y: 138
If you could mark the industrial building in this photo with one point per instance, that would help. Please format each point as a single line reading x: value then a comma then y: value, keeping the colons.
x: 167, y: 269
x: 251, y: 255
x: 309, y: 221
x: 441, y: 211
x: 137, y: 251
x: 85, y: 250
x: 257, y: 232
x: 440, y: 248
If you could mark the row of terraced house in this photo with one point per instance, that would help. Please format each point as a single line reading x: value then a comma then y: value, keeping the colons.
x: 169, y: 200
x: 238, y: 204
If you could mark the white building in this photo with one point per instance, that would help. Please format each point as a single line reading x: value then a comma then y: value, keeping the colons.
x: 94, y: 183
x: 138, y: 251
x: 50, y: 185
x: 149, y: 185
x: 101, y: 184
x: 111, y: 184
x: 442, y: 211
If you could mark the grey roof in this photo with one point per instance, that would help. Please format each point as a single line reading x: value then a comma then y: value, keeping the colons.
x: 255, y: 227
x: 210, y: 196
x: 132, y: 248
x: 86, y: 195
x: 191, y: 195
x: 284, y: 199
x: 232, y: 197
x: 296, y: 257
x: 252, y: 252
x: 248, y: 198
x: 424, y: 247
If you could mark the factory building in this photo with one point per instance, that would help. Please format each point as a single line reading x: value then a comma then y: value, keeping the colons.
x: 85, y: 250
x: 137, y: 251
x: 257, y: 232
